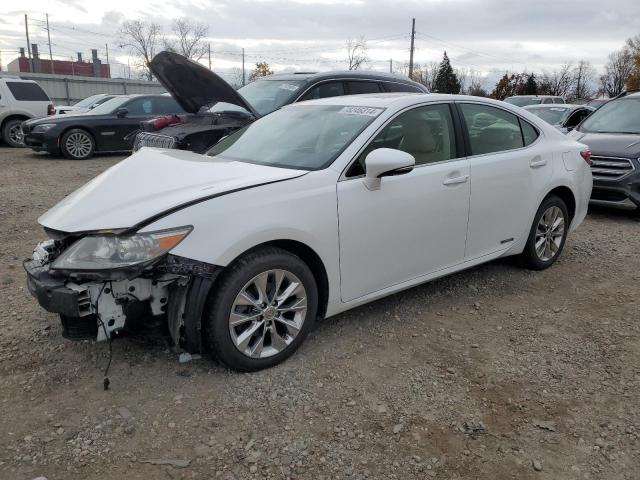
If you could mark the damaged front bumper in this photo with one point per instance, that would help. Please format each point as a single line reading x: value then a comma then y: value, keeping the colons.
x: 172, y: 290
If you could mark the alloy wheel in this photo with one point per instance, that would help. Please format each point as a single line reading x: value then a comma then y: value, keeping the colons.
x: 78, y: 145
x: 16, y: 135
x: 549, y: 233
x: 268, y: 313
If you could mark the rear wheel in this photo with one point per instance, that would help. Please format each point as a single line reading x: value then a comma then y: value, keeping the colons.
x: 12, y: 133
x: 263, y: 307
x: 77, y: 144
x: 548, y: 234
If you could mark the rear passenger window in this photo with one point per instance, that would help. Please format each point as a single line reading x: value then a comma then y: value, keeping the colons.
x: 27, y: 91
x: 324, y: 90
x: 529, y: 133
x: 400, y: 87
x: 356, y: 88
x: 491, y: 129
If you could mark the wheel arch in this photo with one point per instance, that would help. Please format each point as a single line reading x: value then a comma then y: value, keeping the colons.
x: 13, y: 116
x: 567, y: 196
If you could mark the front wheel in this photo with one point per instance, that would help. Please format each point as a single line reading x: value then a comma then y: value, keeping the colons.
x: 12, y: 133
x: 261, y: 310
x: 77, y: 144
x: 548, y: 234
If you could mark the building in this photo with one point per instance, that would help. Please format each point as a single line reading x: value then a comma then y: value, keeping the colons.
x: 80, y: 68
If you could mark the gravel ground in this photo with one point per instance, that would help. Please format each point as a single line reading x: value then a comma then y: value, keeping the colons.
x: 493, y: 373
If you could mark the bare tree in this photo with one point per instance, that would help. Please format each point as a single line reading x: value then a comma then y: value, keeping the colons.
x: 142, y: 40
x: 189, y: 39
x: 463, y: 77
x: 559, y: 81
x: 236, y: 80
x: 475, y: 84
x: 357, y: 53
x: 424, y: 74
x: 583, y: 75
x: 616, y: 72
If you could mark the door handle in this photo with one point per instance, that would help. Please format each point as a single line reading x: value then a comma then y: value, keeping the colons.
x: 537, y: 162
x: 455, y: 180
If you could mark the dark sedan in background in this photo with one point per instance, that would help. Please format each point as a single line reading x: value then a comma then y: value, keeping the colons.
x: 564, y: 117
x: 216, y: 109
x: 109, y: 127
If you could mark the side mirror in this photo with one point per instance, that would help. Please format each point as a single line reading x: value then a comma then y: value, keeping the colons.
x: 122, y: 112
x: 384, y: 162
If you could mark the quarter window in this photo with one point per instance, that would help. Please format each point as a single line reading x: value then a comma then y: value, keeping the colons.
x: 529, y: 133
x: 491, y: 129
x: 325, y: 90
x: 27, y: 91
x: 425, y: 132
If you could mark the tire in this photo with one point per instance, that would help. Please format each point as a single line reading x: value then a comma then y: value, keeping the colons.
x: 77, y: 144
x: 12, y: 133
x: 551, y: 211
x: 255, y: 320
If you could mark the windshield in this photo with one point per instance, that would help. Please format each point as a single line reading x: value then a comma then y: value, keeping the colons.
x: 264, y: 96
x: 306, y: 137
x: 523, y: 101
x: 552, y: 115
x: 617, y: 116
x: 87, y: 102
x: 109, y: 106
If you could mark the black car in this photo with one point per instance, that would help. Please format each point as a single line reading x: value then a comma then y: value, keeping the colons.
x: 216, y: 109
x: 612, y: 133
x: 106, y: 128
x: 564, y: 117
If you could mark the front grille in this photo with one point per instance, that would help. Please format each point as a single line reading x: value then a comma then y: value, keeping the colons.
x: 610, y: 168
x: 156, y: 140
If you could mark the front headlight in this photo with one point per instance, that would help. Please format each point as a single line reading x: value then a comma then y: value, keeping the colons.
x: 45, y: 127
x: 103, y: 252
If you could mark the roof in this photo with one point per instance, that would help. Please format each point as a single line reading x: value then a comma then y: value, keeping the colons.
x: 357, y: 74
x: 384, y: 100
x: 568, y: 106
x: 535, y: 96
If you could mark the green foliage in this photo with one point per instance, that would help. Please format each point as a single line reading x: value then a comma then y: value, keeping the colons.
x: 446, y: 80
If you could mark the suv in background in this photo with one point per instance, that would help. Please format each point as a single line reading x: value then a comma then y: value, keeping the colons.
x: 20, y: 100
x: 612, y: 133
x: 216, y: 109
x: 524, y: 100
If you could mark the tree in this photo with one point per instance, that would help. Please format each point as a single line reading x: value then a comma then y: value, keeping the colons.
x: 616, y: 72
x: 530, y: 86
x: 422, y: 74
x: 235, y: 78
x: 142, y: 40
x: 475, y: 85
x: 633, y: 45
x: 558, y: 82
x: 189, y: 39
x: 508, y: 86
x: 583, y: 75
x: 446, y: 81
x: 262, y: 70
x: 357, y: 53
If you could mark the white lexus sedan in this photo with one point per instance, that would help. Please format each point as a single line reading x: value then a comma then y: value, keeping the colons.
x: 303, y: 214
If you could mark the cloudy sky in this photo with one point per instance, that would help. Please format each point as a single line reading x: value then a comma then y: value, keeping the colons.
x: 487, y: 36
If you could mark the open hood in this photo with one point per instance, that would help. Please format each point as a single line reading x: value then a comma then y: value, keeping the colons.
x: 192, y: 85
x: 152, y: 182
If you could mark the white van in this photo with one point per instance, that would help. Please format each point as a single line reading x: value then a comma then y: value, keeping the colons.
x: 20, y: 100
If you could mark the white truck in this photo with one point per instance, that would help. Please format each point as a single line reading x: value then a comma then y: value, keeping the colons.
x: 20, y: 100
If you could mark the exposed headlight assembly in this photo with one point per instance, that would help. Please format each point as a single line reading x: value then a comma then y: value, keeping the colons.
x: 105, y: 252
x: 45, y: 127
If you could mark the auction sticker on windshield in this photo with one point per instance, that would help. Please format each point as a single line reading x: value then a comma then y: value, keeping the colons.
x: 367, y: 111
x: 288, y: 86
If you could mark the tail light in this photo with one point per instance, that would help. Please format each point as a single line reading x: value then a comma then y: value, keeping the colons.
x: 50, y: 109
x: 586, y: 155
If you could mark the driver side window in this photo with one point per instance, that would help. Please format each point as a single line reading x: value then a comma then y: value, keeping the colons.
x: 425, y: 132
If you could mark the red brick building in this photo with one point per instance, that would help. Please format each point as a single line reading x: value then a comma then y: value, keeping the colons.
x: 93, y: 68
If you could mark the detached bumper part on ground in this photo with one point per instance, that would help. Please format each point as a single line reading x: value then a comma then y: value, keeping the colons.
x: 174, y: 290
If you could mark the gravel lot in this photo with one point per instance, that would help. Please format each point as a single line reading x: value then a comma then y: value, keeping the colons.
x: 494, y: 373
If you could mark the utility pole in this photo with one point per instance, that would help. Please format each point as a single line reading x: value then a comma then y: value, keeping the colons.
x: 413, y: 36
x: 243, y: 80
x: 106, y: 47
x: 209, y: 53
x: 49, y: 40
x: 391, y: 65
x: 26, y: 29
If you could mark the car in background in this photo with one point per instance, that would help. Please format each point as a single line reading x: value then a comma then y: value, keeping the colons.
x: 106, y: 128
x: 312, y: 210
x: 216, y: 109
x: 597, y: 102
x: 85, y: 105
x: 524, y: 100
x: 612, y: 133
x: 564, y: 117
x: 20, y: 100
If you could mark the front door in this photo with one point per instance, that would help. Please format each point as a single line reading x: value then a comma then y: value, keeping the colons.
x: 416, y: 222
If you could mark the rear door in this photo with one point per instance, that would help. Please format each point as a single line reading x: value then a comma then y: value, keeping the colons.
x: 416, y: 223
x: 508, y: 167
